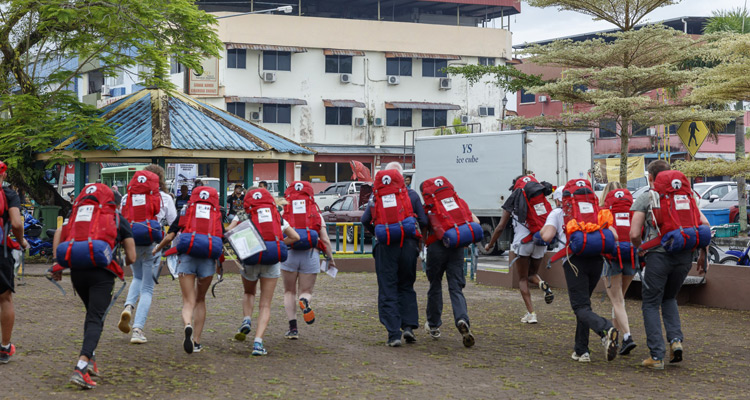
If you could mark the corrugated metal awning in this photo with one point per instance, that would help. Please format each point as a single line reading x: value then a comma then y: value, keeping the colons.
x: 343, y: 103
x: 265, y: 47
x: 266, y: 100
x: 414, y: 105
x: 338, y: 52
x: 395, y: 54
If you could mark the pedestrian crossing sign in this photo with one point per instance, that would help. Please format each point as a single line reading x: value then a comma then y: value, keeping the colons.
x: 692, y: 134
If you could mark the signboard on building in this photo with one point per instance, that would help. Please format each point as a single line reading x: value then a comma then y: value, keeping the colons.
x: 206, y: 81
x: 692, y: 134
x: 184, y: 174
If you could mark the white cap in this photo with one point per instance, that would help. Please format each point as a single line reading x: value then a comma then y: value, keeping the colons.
x: 558, y: 194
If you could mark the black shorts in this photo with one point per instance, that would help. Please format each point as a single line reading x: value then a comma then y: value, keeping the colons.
x: 7, y: 272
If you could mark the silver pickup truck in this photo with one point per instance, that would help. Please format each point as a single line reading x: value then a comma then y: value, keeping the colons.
x: 327, y: 197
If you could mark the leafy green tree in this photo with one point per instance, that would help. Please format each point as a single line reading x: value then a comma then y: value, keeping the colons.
x: 45, y: 44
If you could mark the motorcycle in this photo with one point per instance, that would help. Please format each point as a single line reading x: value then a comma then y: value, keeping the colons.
x: 32, y: 232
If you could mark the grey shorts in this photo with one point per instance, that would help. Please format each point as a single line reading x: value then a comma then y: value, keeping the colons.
x: 253, y: 272
x: 614, y: 269
x: 529, y: 249
x: 302, y: 261
x: 200, y: 267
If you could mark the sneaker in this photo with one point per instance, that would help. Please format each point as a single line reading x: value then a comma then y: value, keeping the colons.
x: 627, y: 346
x: 409, y: 336
x: 138, y: 336
x: 258, y: 349
x: 529, y: 318
x: 244, y: 330
x: 92, y: 369
x: 292, y: 334
x: 548, y: 295
x: 197, y: 347
x: 307, y: 313
x: 433, y: 332
x: 82, y: 379
x: 394, y: 343
x: 6, y: 353
x: 463, y: 328
x: 125, y: 317
x: 584, y: 358
x: 653, y: 363
x: 188, y: 343
x: 609, y: 341
x: 675, y: 351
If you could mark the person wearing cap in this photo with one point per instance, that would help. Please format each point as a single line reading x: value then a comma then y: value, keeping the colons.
x: 10, y: 212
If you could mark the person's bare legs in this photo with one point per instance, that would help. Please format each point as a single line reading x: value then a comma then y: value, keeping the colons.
x: 248, y: 297
x: 199, y: 315
x: 613, y: 285
x: 267, y: 286
x: 306, y: 285
x: 534, y: 265
x: 7, y: 316
x: 187, y: 286
x: 523, y: 283
x: 290, y: 293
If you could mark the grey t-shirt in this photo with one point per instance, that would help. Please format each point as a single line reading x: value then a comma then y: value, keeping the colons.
x: 643, y: 204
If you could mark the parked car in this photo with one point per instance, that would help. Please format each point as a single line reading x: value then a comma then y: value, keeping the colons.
x: 712, y: 191
x: 349, y: 208
x: 335, y: 191
x: 726, y: 202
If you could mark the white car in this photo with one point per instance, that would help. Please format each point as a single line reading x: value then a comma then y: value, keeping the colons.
x: 712, y: 191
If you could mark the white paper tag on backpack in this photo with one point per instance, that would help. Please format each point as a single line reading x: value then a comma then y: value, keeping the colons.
x: 139, y: 200
x: 585, y: 208
x: 449, y: 204
x: 622, y: 219
x: 202, y: 211
x: 681, y: 202
x: 540, y: 209
x: 389, y: 201
x: 84, y: 213
x: 264, y: 215
x: 299, y: 207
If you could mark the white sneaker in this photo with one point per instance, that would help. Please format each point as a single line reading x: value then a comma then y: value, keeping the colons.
x: 582, y: 358
x: 138, y: 337
x: 529, y: 318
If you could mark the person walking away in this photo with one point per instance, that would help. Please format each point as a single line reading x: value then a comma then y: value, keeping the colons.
x: 588, y: 231
x: 302, y: 265
x: 200, y: 247
x: 10, y: 217
x: 86, y: 244
x: 620, y: 272
x: 394, y: 215
x: 264, y: 266
x: 148, y: 207
x: 235, y: 202
x: 528, y: 207
x: 452, y: 227
x: 668, y: 219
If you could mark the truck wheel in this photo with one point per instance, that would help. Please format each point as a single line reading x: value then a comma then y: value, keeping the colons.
x: 487, y: 232
x: 350, y: 234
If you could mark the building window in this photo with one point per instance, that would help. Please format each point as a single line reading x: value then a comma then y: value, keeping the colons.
x: 174, y: 66
x: 118, y: 79
x: 277, y: 114
x: 434, y: 118
x: 338, y: 115
x: 434, y: 68
x: 277, y: 61
x: 527, y: 97
x: 489, y: 61
x: 673, y: 129
x: 398, y: 66
x: 339, y: 64
x: 486, y: 111
x: 729, y: 128
x: 398, y: 117
x: 607, y: 128
x: 236, y: 58
x: 237, y: 109
x: 639, y: 130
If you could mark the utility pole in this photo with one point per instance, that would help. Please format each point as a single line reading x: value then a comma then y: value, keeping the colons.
x: 739, y: 154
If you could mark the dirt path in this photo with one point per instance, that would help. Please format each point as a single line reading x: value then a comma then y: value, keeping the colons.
x: 343, y: 355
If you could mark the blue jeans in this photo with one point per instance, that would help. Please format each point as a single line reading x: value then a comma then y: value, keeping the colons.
x: 142, y: 287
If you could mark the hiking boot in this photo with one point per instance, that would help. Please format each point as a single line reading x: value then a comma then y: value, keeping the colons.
x: 292, y: 334
x: 433, y: 332
x: 244, y: 330
x: 549, y: 297
x: 125, y: 317
x: 675, y: 351
x: 82, y: 379
x: 627, y: 346
x: 529, y: 318
x: 138, y: 336
x: 307, y: 313
x: 409, y: 336
x: 258, y: 349
x: 394, y: 343
x: 584, y: 358
x: 609, y: 341
x: 463, y: 328
x: 188, y: 343
x: 92, y: 369
x: 653, y: 363
x: 197, y: 347
x: 6, y: 353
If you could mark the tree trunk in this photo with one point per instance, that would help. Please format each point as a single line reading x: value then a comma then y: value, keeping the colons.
x: 624, y: 145
x: 739, y: 154
x: 41, y: 191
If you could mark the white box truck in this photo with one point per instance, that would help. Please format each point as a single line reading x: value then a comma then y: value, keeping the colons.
x: 482, y: 166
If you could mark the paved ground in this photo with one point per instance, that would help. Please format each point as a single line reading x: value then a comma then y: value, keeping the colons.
x: 343, y: 355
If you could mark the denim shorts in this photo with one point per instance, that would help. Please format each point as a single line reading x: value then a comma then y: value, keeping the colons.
x: 201, y: 267
x: 253, y: 272
x: 302, y: 261
x: 627, y: 268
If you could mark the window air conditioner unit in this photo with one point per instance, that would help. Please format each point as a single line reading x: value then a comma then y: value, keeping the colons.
x: 254, y: 116
x: 394, y: 80
x: 360, y: 122
x: 105, y: 90
x: 543, y: 99
x: 269, y: 77
x: 377, y: 122
x: 445, y: 83
x: 650, y: 132
x: 483, y: 111
x: 346, y: 78
x: 464, y: 119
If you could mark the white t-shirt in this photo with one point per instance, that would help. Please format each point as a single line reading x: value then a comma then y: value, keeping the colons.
x: 520, y: 231
x: 555, y: 218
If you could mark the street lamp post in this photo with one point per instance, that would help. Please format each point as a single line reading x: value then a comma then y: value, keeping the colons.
x: 281, y: 9
x: 502, y: 121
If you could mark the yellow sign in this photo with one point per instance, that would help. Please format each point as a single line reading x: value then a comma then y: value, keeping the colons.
x: 636, y: 168
x: 692, y: 134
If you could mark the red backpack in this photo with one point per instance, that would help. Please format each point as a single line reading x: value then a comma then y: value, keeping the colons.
x: 537, y: 206
x: 676, y: 215
x: 260, y: 207
x: 392, y: 213
x: 88, y: 239
x: 450, y: 216
x: 142, y: 204
x: 303, y: 214
x: 619, y: 202
x: 201, y: 228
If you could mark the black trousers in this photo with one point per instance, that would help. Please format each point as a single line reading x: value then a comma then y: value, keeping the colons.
x: 94, y: 286
x: 396, y: 268
x: 442, y: 260
x: 580, y: 288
